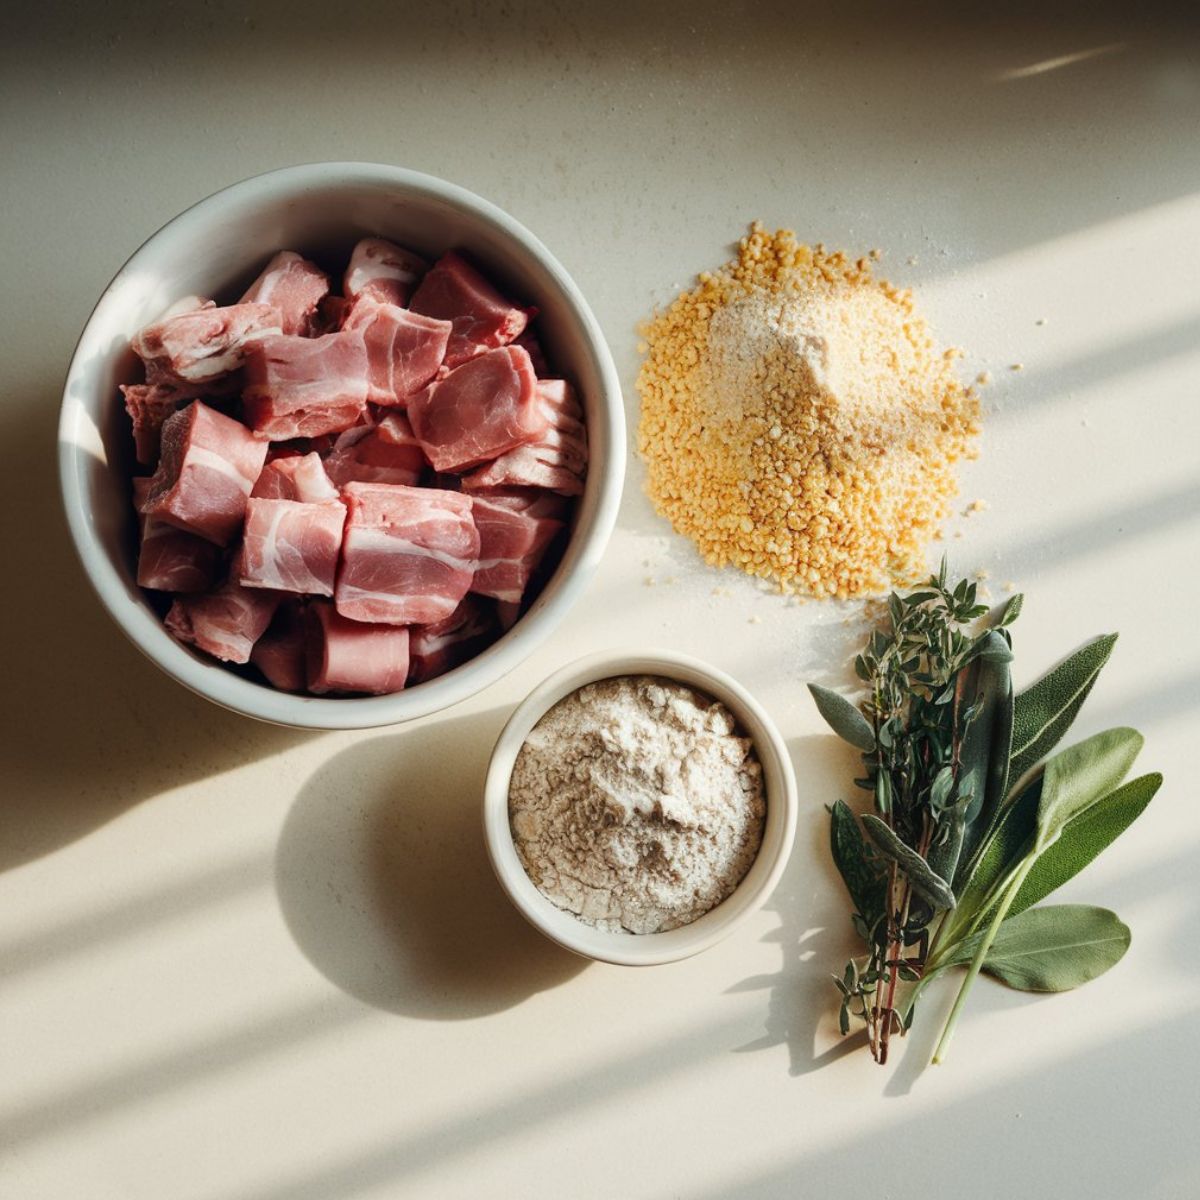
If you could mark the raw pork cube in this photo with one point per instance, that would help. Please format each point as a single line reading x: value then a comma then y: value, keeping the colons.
x: 515, y: 528
x: 382, y: 271
x: 483, y: 319
x: 408, y: 554
x: 292, y: 286
x: 479, y: 411
x: 404, y: 349
x: 170, y: 560
x: 225, y: 623
x: 148, y: 406
x: 208, y: 466
x: 347, y: 656
x: 435, y: 649
x: 295, y: 476
x: 291, y: 546
x: 387, y: 453
x: 280, y: 653
x: 302, y: 387
x: 203, y: 344
x: 557, y: 460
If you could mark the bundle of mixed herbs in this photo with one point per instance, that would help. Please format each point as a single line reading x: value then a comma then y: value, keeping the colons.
x: 971, y: 827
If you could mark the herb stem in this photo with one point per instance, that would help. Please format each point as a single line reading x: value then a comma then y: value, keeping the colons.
x: 1010, y: 894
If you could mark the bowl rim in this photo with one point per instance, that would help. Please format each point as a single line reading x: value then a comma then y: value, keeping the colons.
x: 650, y: 949
x: 258, y: 701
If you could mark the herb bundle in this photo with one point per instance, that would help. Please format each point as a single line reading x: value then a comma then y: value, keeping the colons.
x: 971, y: 827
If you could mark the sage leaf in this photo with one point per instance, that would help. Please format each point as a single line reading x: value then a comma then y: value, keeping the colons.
x: 1085, y: 837
x: 1053, y: 948
x: 924, y: 880
x: 844, y: 718
x: 985, y: 753
x: 1075, y: 778
x: 1008, y: 844
x: 1011, y: 610
x: 1043, y: 713
x: 864, y: 883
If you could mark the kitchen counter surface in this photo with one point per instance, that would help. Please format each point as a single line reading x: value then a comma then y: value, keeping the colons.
x: 244, y: 963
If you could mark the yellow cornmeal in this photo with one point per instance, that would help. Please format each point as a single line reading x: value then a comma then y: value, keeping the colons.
x: 799, y: 422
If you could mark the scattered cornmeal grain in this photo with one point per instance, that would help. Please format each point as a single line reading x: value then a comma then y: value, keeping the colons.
x: 799, y: 422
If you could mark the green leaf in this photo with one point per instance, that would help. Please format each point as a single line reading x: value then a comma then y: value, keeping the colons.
x: 1043, y: 713
x: 925, y: 881
x: 863, y: 881
x: 1053, y: 948
x: 1085, y: 837
x: 1007, y: 845
x: 985, y: 754
x: 844, y: 718
x: 1075, y: 778
x: 1011, y: 610
x: 991, y: 646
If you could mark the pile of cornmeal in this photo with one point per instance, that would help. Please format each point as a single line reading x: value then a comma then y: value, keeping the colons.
x: 799, y: 422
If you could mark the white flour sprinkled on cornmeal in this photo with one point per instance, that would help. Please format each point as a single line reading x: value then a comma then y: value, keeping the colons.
x: 799, y: 422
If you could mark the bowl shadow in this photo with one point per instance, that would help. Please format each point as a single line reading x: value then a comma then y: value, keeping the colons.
x: 90, y: 726
x: 384, y: 882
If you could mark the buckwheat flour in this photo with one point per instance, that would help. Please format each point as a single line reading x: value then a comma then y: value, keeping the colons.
x: 799, y: 422
x: 636, y: 804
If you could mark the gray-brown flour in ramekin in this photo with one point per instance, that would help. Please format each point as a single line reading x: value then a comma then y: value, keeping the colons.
x: 637, y: 804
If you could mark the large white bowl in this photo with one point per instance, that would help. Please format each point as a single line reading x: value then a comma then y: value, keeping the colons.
x: 644, y: 949
x: 216, y: 248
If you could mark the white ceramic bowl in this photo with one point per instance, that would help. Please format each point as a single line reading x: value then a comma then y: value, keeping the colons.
x: 216, y: 248
x: 648, y: 949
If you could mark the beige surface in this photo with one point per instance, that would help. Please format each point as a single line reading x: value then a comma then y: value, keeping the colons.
x: 238, y: 963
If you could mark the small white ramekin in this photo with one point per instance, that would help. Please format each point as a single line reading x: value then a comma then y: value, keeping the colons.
x: 627, y: 949
x: 216, y: 248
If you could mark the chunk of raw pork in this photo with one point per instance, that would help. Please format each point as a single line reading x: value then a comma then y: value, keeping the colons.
x: 483, y: 319
x: 294, y: 287
x: 203, y: 344
x: 209, y: 465
x: 516, y: 526
x: 435, y: 649
x: 387, y: 453
x: 225, y: 623
x: 170, y: 560
x: 280, y: 653
x: 479, y: 411
x: 408, y: 554
x: 291, y: 546
x: 404, y: 349
x: 295, y: 476
x: 303, y: 387
x: 348, y: 656
x: 148, y: 406
x: 382, y: 271
x: 557, y: 460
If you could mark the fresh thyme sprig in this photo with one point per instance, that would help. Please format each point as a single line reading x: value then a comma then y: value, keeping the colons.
x: 948, y: 854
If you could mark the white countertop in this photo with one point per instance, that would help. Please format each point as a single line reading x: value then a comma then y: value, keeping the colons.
x: 240, y: 963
